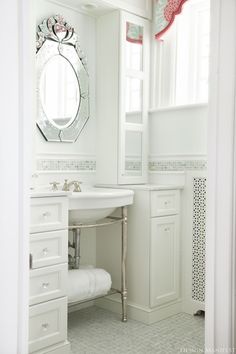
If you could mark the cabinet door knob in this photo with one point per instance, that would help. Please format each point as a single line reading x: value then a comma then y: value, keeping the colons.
x: 30, y: 261
x: 45, y: 251
x: 45, y: 285
x: 45, y: 326
x: 167, y: 229
x: 46, y: 214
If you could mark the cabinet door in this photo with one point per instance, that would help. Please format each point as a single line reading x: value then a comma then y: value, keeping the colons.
x: 134, y: 67
x: 164, y: 260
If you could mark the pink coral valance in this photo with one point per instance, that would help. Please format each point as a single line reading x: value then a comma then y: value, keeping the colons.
x: 134, y: 33
x: 164, y: 14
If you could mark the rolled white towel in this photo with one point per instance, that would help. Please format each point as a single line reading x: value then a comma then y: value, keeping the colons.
x: 87, y: 283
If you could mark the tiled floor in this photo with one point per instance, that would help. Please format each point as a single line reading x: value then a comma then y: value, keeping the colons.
x: 96, y: 331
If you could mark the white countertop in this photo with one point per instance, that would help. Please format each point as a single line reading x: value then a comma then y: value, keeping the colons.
x: 48, y: 193
x: 146, y: 187
x: 42, y: 192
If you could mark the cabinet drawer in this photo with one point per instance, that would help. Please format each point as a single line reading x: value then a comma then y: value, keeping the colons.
x: 47, y: 324
x: 164, y: 203
x: 48, y: 283
x: 48, y: 248
x: 49, y: 214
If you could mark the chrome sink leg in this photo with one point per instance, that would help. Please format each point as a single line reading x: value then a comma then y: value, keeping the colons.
x: 123, y: 264
x: 76, y: 242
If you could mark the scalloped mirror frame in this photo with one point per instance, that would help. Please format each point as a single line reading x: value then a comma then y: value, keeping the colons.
x: 57, y: 37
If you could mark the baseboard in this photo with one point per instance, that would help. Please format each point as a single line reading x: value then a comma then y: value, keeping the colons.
x: 140, y: 313
x: 192, y: 306
x: 60, y: 348
x: 77, y: 307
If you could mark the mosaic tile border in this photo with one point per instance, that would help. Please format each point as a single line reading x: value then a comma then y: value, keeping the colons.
x: 177, y: 165
x: 90, y: 165
x: 133, y: 165
x: 66, y: 165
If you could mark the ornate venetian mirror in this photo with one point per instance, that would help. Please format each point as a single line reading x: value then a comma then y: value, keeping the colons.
x: 62, y: 81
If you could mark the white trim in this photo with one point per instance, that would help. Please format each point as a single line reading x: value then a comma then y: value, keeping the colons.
x: 220, y: 218
x: 141, y: 313
x: 64, y: 156
x: 178, y: 157
x: 167, y: 172
x: 64, y: 172
x: 234, y: 242
x: 16, y: 106
x: 26, y: 99
x: 179, y: 107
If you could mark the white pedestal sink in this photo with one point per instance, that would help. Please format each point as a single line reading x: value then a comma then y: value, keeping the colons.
x: 95, y: 204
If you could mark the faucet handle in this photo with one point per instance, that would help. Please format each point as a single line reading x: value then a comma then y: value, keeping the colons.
x: 77, y: 186
x: 65, y: 186
x: 54, y: 185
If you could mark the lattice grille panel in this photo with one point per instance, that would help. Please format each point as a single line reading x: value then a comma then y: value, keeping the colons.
x: 199, y: 239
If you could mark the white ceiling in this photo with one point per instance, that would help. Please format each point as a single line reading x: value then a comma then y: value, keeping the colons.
x: 97, y: 10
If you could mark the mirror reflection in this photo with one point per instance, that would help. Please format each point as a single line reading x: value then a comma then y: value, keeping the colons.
x: 59, y: 91
x: 134, y: 46
x: 133, y: 153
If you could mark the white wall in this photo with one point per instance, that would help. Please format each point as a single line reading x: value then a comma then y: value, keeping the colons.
x: 181, y: 131
x: 85, y: 26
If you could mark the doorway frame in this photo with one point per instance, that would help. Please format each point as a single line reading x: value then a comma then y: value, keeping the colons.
x: 220, y: 237
x: 220, y: 251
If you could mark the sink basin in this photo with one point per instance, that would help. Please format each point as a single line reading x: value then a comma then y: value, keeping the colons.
x: 96, y: 203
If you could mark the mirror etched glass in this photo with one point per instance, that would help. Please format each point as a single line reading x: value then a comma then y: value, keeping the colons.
x: 62, y: 82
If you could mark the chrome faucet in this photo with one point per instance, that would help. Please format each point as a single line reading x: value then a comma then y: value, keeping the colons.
x: 66, y: 186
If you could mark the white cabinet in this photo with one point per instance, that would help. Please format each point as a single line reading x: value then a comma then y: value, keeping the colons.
x: 122, y: 98
x: 48, y: 214
x: 48, y: 283
x: 153, y: 256
x: 153, y: 235
x: 47, y: 324
x: 164, y: 260
x: 48, y: 246
x: 164, y: 203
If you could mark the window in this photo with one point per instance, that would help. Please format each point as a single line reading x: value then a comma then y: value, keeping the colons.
x: 181, y: 60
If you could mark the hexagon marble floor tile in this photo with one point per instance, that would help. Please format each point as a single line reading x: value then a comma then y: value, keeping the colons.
x: 97, y: 331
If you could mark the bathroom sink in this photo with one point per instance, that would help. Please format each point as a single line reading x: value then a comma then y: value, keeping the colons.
x: 95, y: 204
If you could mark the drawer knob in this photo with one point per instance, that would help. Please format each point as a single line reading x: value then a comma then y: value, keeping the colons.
x: 46, y: 214
x: 166, y: 202
x: 45, y: 285
x: 45, y: 326
x: 45, y: 251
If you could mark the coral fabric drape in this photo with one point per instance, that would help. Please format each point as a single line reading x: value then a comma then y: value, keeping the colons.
x: 134, y: 33
x: 164, y: 14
